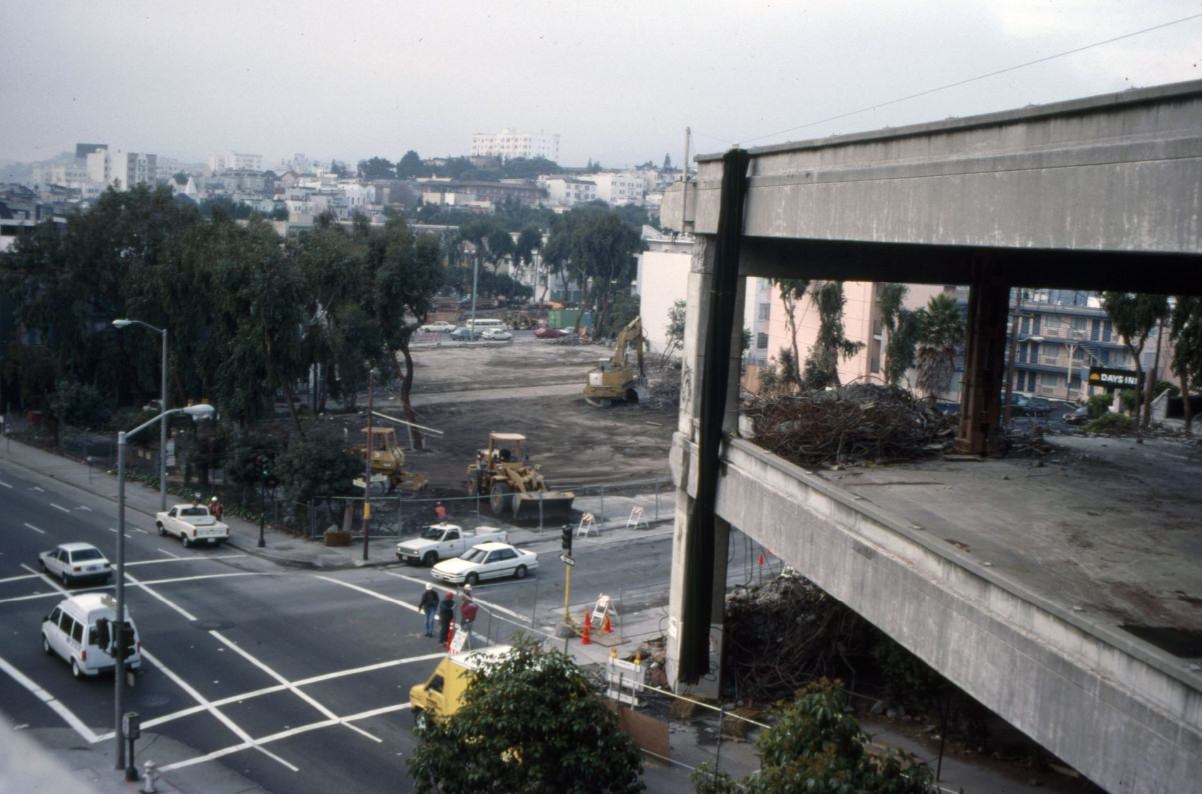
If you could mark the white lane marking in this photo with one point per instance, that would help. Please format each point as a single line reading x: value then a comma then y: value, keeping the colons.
x: 6, y: 485
x: 132, y: 583
x: 19, y: 578
x: 59, y: 507
x: 114, y: 531
x: 275, y: 737
x: 146, y: 589
x: 178, y: 558
x: 217, y: 713
x: 139, y: 529
x: 371, y: 593
x: 35, y: 529
x: 36, y: 488
x: 84, y: 508
x: 55, y: 705
x: 268, y: 690
x: 45, y: 577
x: 491, y: 606
x: 291, y: 686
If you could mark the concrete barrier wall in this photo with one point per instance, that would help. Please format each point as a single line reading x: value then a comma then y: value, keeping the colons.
x: 1125, y: 717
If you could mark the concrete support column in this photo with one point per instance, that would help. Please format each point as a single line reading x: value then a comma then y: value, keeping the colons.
x: 984, y: 364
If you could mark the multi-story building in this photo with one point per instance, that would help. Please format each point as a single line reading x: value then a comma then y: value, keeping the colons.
x: 568, y: 191
x: 1061, y: 334
x: 235, y: 161
x: 510, y: 143
x: 122, y: 169
x: 619, y: 187
x: 480, y: 194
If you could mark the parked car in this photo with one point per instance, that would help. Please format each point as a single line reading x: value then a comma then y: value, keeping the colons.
x: 486, y: 561
x: 547, y: 332
x: 464, y: 334
x: 1078, y: 416
x: 496, y: 334
x: 80, y: 630
x: 74, y: 561
x: 1036, y: 406
x: 438, y: 327
x: 439, y: 541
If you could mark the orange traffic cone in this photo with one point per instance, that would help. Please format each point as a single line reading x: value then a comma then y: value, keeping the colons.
x: 450, y: 635
x: 761, y: 558
x: 608, y: 629
x: 585, y: 639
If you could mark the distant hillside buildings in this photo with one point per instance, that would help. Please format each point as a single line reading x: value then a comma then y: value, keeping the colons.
x: 509, y: 144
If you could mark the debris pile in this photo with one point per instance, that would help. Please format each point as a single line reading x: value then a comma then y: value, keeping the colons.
x: 784, y: 633
x: 854, y: 424
x: 663, y: 386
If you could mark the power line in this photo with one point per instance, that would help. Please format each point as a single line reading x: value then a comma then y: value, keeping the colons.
x: 967, y: 80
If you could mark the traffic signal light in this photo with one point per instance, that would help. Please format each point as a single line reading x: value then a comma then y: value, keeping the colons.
x: 567, y: 538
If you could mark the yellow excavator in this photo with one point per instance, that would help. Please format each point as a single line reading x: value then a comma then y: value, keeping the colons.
x: 388, y: 459
x: 616, y: 380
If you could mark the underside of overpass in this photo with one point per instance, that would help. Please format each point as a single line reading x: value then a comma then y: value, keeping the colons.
x: 1098, y: 193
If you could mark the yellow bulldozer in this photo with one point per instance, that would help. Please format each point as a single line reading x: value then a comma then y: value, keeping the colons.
x: 616, y: 380
x: 388, y: 459
x: 512, y: 484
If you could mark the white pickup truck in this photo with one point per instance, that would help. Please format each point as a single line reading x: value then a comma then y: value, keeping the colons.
x: 191, y: 523
x: 439, y: 541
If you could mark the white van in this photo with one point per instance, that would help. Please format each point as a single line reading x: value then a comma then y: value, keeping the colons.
x: 80, y: 630
x: 484, y: 323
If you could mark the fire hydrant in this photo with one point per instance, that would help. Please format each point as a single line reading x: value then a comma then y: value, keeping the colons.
x: 150, y: 776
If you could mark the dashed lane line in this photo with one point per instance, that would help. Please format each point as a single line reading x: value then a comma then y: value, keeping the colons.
x: 169, y: 554
x: 58, y: 591
x: 54, y: 703
x: 114, y: 531
x: 233, y: 646
x: 60, y: 507
x: 35, y: 529
x: 220, y: 716
x: 4, y: 484
x: 85, y: 508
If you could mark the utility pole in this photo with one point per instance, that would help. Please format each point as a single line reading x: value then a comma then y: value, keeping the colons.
x: 371, y: 448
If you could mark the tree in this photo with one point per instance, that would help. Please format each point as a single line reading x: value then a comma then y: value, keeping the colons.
x: 530, y: 240
x: 815, y: 746
x: 406, y: 275
x: 791, y: 291
x: 1134, y: 315
x: 667, y: 162
x: 941, y: 332
x: 409, y: 166
x: 901, y: 332
x: 1185, y: 329
x: 339, y: 169
x: 674, y: 333
x: 529, y: 723
x: 317, y: 465
x: 598, y: 249
x: 822, y: 367
x: 376, y: 168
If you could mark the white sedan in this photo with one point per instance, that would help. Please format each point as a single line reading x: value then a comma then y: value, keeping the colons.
x: 486, y: 561
x: 72, y: 561
x: 496, y: 334
x: 438, y: 327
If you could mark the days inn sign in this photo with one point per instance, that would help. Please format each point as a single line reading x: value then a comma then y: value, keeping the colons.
x: 1115, y: 378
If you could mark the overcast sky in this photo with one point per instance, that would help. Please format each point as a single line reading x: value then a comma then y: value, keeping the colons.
x: 619, y: 81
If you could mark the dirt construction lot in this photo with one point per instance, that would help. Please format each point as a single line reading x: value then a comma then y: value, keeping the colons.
x: 528, y: 386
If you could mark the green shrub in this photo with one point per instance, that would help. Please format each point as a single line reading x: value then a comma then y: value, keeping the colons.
x: 1099, y: 405
x: 1111, y: 424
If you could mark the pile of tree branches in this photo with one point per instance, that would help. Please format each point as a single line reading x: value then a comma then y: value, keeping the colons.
x: 854, y: 424
x: 785, y: 633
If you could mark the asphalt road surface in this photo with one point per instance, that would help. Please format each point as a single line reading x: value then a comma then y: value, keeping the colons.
x: 296, y: 679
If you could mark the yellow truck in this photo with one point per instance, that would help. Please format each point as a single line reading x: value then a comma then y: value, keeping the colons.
x: 441, y: 695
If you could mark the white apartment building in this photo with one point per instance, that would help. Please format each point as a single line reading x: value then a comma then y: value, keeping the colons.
x: 619, y: 187
x: 566, y: 191
x: 510, y: 143
x: 122, y: 169
x: 67, y: 175
x: 235, y: 161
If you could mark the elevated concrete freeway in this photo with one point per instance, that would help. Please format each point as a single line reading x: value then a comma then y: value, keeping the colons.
x: 1098, y: 193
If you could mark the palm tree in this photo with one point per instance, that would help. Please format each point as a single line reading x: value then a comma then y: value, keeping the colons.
x: 942, y: 331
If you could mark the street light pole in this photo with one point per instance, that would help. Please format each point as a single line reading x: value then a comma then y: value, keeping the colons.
x: 197, y: 412
x: 122, y: 323
x: 371, y: 449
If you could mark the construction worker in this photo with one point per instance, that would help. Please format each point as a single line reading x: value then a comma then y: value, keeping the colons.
x: 467, y: 612
x: 215, y: 508
x: 440, y: 512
